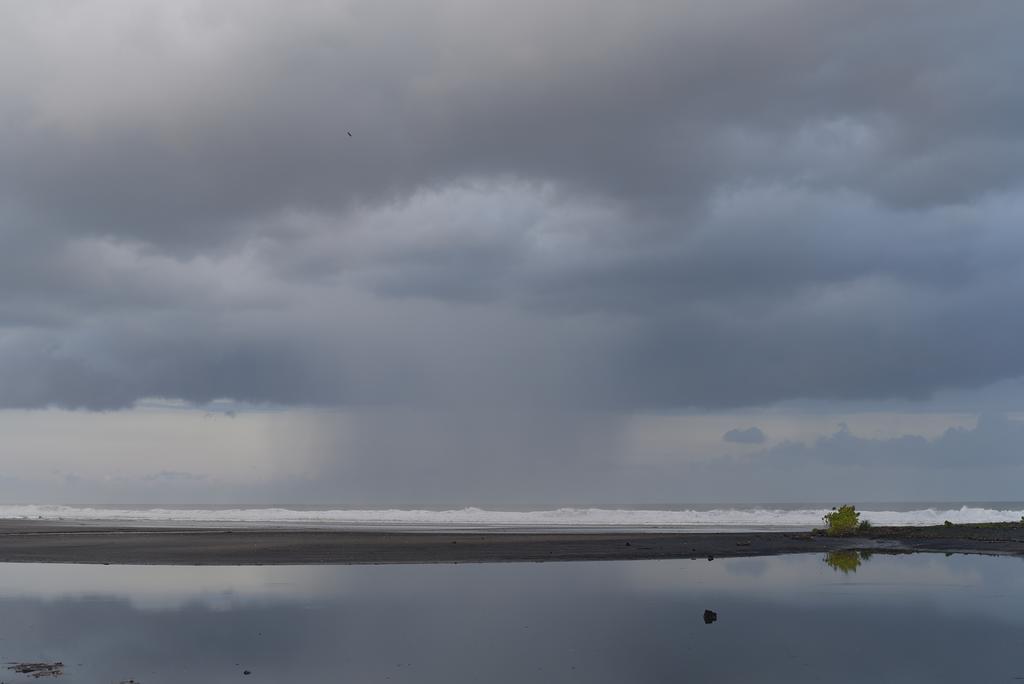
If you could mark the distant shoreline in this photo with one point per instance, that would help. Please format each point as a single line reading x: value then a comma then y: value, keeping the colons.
x: 48, y: 542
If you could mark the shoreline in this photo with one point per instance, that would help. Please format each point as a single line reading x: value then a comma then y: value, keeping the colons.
x: 48, y: 542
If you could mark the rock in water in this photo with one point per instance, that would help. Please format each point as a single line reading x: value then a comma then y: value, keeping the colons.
x: 710, y: 616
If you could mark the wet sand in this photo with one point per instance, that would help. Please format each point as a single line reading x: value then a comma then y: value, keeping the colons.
x: 48, y: 542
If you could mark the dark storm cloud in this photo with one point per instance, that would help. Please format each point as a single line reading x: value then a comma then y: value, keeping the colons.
x: 172, y: 124
x: 585, y: 205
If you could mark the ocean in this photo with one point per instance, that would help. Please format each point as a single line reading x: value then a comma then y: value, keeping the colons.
x: 679, y: 517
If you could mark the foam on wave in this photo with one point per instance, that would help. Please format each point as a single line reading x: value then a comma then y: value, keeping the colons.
x: 478, y: 517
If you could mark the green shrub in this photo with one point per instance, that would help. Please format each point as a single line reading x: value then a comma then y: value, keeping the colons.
x: 841, y: 521
x: 864, y: 526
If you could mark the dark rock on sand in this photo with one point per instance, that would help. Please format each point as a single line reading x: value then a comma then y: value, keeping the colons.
x: 710, y: 616
x: 38, y: 669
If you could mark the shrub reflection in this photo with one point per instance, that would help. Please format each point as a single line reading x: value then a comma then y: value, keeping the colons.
x: 846, y: 561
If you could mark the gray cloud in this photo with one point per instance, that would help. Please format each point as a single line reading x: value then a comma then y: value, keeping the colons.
x: 592, y: 206
x: 995, y: 441
x: 392, y: 457
x: 751, y: 435
x: 173, y: 476
x: 982, y: 463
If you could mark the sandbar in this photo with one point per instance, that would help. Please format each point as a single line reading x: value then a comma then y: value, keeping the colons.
x: 29, y: 541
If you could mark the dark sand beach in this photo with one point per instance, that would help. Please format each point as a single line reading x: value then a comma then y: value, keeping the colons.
x: 47, y: 542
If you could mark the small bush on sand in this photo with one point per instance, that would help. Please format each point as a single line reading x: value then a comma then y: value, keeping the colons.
x: 841, y: 521
x: 864, y: 526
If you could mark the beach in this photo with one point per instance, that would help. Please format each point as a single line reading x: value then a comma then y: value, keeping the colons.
x: 56, y: 542
x: 97, y: 602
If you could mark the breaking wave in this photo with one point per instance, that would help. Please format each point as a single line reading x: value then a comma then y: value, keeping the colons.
x: 710, y: 519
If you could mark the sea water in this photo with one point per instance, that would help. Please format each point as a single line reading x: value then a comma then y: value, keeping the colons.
x: 708, y: 517
x: 805, y: 618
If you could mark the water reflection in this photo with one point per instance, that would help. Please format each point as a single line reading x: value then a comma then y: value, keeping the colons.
x: 589, y: 622
x: 846, y: 562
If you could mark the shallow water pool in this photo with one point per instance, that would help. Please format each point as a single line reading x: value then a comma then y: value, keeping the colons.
x: 840, y: 618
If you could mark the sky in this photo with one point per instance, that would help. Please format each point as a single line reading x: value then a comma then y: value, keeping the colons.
x: 462, y: 252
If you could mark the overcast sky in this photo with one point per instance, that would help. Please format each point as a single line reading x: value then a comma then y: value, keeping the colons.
x: 469, y: 251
